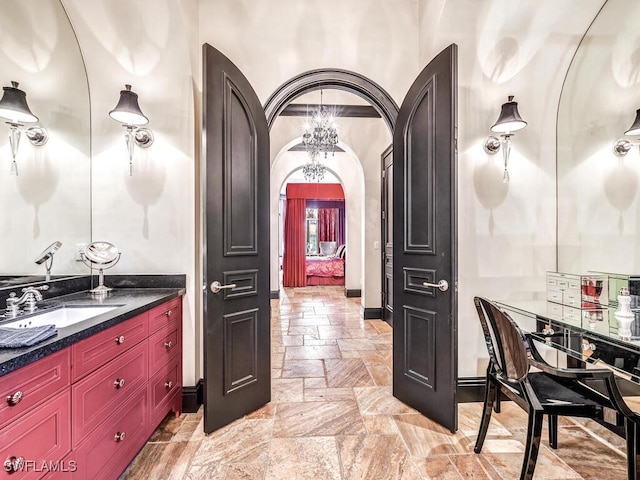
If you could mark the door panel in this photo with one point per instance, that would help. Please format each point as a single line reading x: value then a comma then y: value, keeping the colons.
x: 236, y: 343
x: 387, y: 235
x: 424, y: 237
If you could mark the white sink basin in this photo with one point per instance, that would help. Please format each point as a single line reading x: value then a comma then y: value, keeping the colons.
x: 60, y: 317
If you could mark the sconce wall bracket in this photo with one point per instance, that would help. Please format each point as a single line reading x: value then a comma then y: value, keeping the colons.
x: 38, y: 136
x: 622, y: 147
x: 492, y: 145
x: 143, y: 137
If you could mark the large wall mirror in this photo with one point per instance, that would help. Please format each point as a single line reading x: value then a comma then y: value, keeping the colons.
x: 50, y: 199
x: 598, y: 192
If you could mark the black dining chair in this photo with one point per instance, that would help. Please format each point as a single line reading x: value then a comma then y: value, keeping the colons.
x: 550, y: 391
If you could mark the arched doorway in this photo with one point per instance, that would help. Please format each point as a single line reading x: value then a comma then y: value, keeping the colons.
x: 349, y: 174
x: 353, y: 83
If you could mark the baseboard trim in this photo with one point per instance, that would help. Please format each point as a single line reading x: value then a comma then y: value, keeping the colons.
x: 470, y: 389
x: 352, y: 293
x: 192, y: 397
x: 371, y: 313
x: 274, y: 294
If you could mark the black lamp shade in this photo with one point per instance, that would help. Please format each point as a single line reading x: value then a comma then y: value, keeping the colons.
x: 127, y: 110
x: 509, y: 119
x: 13, y: 106
x: 635, y: 128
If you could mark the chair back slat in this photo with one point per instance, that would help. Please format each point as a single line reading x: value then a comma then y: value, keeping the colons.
x: 507, y: 338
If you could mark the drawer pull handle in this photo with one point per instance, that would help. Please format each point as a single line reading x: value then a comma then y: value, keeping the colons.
x: 14, y: 399
x: 168, y: 313
x: 168, y: 384
x: 13, y: 464
x: 119, y: 437
x: 120, y: 340
x: 119, y: 383
x: 168, y: 344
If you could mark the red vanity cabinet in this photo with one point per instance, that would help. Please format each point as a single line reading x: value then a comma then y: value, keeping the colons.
x: 87, y: 410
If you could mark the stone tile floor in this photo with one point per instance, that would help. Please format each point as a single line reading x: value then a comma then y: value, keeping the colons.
x: 333, y: 417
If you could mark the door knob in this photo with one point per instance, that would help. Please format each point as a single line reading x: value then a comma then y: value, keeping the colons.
x: 443, y: 285
x: 217, y: 286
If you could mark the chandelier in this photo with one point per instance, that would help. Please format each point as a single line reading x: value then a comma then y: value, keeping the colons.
x: 313, y: 170
x: 320, y: 137
x: 320, y: 133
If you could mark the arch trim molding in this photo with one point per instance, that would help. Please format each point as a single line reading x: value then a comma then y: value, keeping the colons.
x: 332, y: 78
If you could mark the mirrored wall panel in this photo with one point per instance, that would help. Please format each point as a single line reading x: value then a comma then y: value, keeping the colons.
x: 598, y: 191
x: 49, y: 200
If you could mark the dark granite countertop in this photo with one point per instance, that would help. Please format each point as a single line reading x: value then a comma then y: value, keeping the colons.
x: 130, y: 301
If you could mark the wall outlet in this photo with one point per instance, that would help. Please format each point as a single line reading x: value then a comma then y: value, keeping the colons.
x: 79, y: 251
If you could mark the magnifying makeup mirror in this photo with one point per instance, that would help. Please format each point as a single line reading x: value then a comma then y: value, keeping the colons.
x: 100, y: 255
x: 46, y: 257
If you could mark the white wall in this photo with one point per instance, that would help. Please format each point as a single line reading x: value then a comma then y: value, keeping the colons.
x: 150, y: 215
x: 506, y: 232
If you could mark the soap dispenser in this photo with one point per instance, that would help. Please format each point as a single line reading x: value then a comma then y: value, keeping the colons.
x: 624, y: 315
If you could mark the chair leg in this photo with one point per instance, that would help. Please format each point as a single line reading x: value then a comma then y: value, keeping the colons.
x: 496, y: 403
x: 534, y: 431
x: 489, y: 398
x: 553, y: 431
x: 632, y: 432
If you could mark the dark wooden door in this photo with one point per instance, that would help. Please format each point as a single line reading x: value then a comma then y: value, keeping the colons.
x: 387, y: 235
x: 236, y: 343
x: 424, y: 240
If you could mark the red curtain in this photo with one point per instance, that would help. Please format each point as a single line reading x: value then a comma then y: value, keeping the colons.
x: 293, y: 257
x: 327, y: 223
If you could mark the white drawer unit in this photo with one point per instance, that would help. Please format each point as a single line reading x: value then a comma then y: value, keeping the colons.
x: 578, y: 291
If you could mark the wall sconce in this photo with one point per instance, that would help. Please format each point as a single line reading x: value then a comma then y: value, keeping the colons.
x: 508, y: 122
x: 622, y: 146
x: 128, y: 112
x: 14, y: 109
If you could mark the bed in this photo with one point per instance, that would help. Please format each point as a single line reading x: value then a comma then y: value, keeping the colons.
x: 321, y: 270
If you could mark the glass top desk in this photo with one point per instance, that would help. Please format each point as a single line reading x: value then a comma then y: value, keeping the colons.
x: 587, y: 337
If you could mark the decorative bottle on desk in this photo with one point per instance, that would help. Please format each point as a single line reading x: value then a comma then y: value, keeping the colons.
x: 624, y: 315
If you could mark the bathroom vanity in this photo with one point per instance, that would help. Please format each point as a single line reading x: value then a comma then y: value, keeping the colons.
x: 83, y: 403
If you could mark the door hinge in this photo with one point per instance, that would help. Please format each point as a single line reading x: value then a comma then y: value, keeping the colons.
x: 384, y: 173
x: 384, y: 214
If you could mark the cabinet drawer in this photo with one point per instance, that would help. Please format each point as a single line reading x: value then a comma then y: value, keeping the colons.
x: 163, y: 387
x: 164, y: 314
x: 554, y: 296
x: 108, y: 450
x: 42, y: 436
x: 32, y: 384
x: 164, y: 345
x: 95, y: 396
x: 89, y: 354
x: 572, y: 297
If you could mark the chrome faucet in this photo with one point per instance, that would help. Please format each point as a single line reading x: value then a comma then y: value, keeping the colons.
x: 30, y: 297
